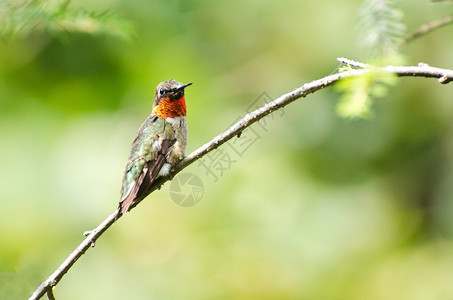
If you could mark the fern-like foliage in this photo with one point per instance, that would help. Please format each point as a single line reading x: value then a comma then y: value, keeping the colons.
x: 381, y: 27
x: 358, y: 92
x: 381, y: 34
x: 21, y: 17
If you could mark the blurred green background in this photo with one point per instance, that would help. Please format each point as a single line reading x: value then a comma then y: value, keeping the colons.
x: 319, y: 207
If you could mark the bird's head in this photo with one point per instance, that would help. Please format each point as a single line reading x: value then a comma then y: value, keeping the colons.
x: 169, y: 99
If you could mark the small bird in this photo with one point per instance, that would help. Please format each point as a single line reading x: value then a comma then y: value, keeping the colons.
x: 160, y: 143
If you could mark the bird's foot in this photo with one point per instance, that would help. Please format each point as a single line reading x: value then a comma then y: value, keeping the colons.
x: 171, y: 174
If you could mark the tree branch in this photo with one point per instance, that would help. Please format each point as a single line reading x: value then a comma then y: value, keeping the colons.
x: 422, y: 70
x: 427, y: 28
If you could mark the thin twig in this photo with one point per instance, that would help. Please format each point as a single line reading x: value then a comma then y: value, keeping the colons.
x: 427, y: 28
x: 422, y: 70
x: 74, y: 256
x: 353, y: 63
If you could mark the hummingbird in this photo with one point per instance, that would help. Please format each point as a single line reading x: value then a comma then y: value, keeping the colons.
x: 159, y: 145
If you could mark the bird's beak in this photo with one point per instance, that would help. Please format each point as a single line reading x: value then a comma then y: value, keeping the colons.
x: 183, y: 87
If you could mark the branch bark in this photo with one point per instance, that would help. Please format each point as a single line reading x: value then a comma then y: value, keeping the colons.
x: 422, y: 70
x: 427, y: 28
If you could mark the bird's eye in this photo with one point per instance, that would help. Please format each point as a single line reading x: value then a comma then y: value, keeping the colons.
x: 161, y: 92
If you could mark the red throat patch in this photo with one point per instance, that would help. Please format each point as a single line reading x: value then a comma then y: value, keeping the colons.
x: 169, y: 109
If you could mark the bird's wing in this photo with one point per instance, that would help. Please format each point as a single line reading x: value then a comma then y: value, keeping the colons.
x: 162, y: 137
